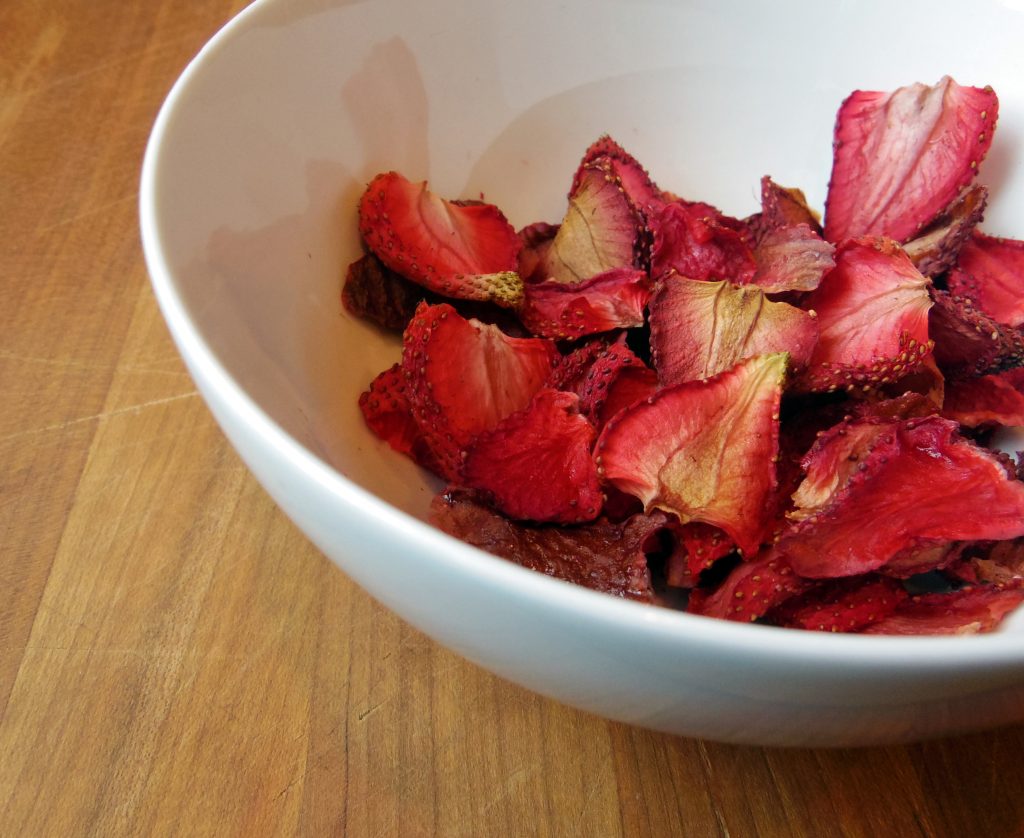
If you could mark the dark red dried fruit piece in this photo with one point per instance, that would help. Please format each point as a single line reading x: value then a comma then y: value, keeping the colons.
x: 968, y: 342
x: 388, y: 413
x: 616, y: 379
x: 614, y: 299
x: 535, y: 239
x: 695, y: 244
x: 704, y: 545
x: 901, y: 158
x: 990, y: 271
x: 571, y: 369
x: 464, y: 377
x: 603, y: 556
x: 699, y: 329
x: 970, y: 610
x: 872, y: 317
x: 792, y: 258
x: 750, y: 591
x: 917, y: 560
x: 845, y: 605
x: 935, y: 250
x: 704, y: 450
x: 633, y: 178
x: 466, y: 250
x: 996, y: 399
x: 960, y: 492
x: 1001, y: 564
x: 782, y: 207
x: 536, y: 464
x: 374, y: 292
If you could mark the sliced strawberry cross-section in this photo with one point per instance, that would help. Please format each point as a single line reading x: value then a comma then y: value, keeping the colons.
x: 616, y: 379
x: 466, y: 250
x: 464, y: 377
x: 843, y: 605
x: 970, y: 610
x: 704, y: 450
x: 750, y: 591
x: 614, y: 299
x: 901, y: 158
x: 990, y: 271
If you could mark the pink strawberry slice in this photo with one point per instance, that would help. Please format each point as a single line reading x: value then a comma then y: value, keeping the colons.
x: 466, y: 250
x: 916, y: 484
x: 901, y: 158
x: 936, y: 248
x: 750, y: 591
x: 633, y: 178
x: 704, y: 450
x: 990, y: 271
x: 970, y: 610
x: 536, y: 464
x: 792, y: 258
x: 614, y: 299
x: 699, y: 329
x: 996, y: 399
x: 968, y: 342
x: 845, y: 605
x: 463, y: 377
x: 781, y: 207
x: 388, y: 413
x: 688, y: 239
x: 872, y: 313
x: 617, y: 379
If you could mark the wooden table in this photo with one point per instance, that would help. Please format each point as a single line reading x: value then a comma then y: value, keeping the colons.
x: 175, y: 657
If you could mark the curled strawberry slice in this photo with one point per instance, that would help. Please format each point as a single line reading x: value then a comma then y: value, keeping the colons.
x: 614, y: 299
x: 630, y: 176
x: 464, y: 250
x: 968, y: 342
x: 617, y: 379
x: 996, y: 399
x: 388, y: 413
x: 782, y: 207
x: 936, y: 249
x: 990, y: 271
x: 704, y: 450
x: 969, y: 610
x: 792, y: 258
x: 693, y: 241
x: 901, y: 158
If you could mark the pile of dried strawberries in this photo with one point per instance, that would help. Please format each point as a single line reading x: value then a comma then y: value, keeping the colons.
x: 784, y: 421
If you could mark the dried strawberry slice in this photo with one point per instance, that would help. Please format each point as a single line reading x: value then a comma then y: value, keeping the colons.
x: 958, y: 492
x: 873, y: 318
x: 464, y: 377
x: 750, y: 591
x: 614, y: 299
x: 617, y: 379
x: 466, y: 250
x: 570, y: 370
x: 703, y: 450
x: 604, y: 556
x: 633, y: 178
x: 969, y: 610
x: 990, y: 271
x: 968, y: 342
x: 844, y: 605
x: 376, y: 293
x: 996, y: 399
x: 388, y: 413
x: 901, y: 158
x: 704, y: 545
x: 782, y: 207
x: 600, y: 230
x: 535, y: 240
x: 536, y: 464
x: 1001, y: 564
x: 936, y: 249
x: 792, y: 258
x: 699, y: 329
x: 688, y: 239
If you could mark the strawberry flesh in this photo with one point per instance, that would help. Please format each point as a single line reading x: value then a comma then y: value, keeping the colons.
x: 750, y: 591
x: 614, y: 299
x: 996, y: 399
x: 781, y: 207
x: 388, y: 413
x: 843, y: 605
x: 633, y: 178
x: 693, y: 241
x: 990, y: 271
x: 968, y: 342
x: 616, y: 379
x: 792, y: 258
x: 969, y: 610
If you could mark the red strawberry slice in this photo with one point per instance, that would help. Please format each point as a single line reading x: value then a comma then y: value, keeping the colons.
x: 990, y: 271
x: 873, y: 318
x: 901, y: 158
x: 704, y: 450
x: 388, y: 413
x: 750, y: 591
x: 935, y: 250
x: 792, y: 258
x: 917, y: 560
x: 614, y: 299
x: 571, y: 369
x: 704, y: 545
x: 782, y: 207
x: 536, y: 464
x: 968, y: 342
x: 535, y: 240
x: 600, y: 231
x: 464, y: 377
x: 958, y: 492
x: 604, y: 556
x: 845, y: 605
x: 633, y: 178
x: 690, y: 240
x: 968, y: 611
x: 463, y: 250
x: 699, y: 329
x: 996, y: 399
x: 617, y: 379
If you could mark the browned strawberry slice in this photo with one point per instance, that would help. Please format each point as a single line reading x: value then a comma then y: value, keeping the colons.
x: 614, y: 299
x: 990, y: 271
x: 872, y: 317
x: 996, y: 399
x: 704, y: 450
x: 750, y: 591
x: 968, y: 342
x: 792, y: 258
x: 1002, y: 564
x: 844, y: 605
x: 968, y: 611
x: 699, y: 329
x: 604, y: 556
x: 957, y: 492
x: 935, y: 250
x: 901, y: 158
x: 376, y: 293
x: 388, y: 413
x: 536, y: 464
x: 694, y: 243
x: 463, y: 250
x: 633, y: 178
x: 782, y: 207
x: 464, y: 377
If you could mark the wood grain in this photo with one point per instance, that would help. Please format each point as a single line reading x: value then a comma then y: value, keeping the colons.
x: 176, y: 658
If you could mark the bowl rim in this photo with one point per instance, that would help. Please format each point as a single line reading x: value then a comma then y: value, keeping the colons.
x: 661, y: 625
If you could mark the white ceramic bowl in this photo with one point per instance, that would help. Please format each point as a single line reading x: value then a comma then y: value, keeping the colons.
x: 248, y: 217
